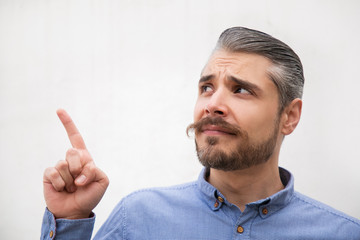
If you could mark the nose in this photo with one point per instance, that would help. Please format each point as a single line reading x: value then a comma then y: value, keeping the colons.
x: 217, y: 107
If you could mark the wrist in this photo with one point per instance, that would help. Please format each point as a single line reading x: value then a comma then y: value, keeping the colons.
x: 77, y: 216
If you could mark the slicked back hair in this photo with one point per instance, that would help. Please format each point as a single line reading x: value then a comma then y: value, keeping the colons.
x: 286, y: 72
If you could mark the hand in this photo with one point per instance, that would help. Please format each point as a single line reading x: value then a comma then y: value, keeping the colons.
x: 74, y: 187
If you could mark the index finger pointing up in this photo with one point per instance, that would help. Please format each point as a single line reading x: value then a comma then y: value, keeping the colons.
x: 75, y: 138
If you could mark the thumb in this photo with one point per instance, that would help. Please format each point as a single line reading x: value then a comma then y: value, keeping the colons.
x: 87, y: 175
x: 90, y: 173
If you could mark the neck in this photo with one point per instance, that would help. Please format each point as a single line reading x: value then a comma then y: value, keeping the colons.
x: 241, y: 187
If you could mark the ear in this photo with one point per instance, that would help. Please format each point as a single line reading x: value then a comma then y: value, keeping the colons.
x: 291, y: 116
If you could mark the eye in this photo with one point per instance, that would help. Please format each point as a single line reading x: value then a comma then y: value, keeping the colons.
x: 242, y: 90
x: 205, y: 88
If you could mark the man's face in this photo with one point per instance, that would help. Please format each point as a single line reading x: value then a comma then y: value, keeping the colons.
x: 236, y: 118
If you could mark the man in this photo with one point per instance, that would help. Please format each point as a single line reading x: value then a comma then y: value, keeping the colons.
x: 249, y: 100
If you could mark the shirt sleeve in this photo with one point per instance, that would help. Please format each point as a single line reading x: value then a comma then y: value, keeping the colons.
x: 66, y: 228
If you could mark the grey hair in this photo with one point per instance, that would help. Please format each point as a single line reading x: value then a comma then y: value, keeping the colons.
x: 286, y: 72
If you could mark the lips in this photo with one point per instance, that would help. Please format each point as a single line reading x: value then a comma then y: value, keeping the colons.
x: 214, y: 126
x: 216, y: 130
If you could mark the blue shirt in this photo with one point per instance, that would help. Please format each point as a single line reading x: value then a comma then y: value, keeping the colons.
x: 197, y: 210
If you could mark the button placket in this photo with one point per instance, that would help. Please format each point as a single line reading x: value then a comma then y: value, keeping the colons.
x: 242, y: 227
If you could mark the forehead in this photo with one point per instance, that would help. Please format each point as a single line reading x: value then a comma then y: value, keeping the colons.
x: 249, y: 66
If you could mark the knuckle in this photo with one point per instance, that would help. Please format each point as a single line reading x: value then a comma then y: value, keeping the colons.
x: 91, y: 167
x: 53, y: 173
x: 59, y: 185
x: 72, y: 152
x: 75, y: 168
x: 62, y: 165
x: 47, y: 171
x: 73, y: 159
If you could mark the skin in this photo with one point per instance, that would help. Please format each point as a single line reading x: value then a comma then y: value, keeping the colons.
x: 250, y: 102
x: 74, y: 186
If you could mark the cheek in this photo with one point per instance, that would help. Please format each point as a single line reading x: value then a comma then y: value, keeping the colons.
x: 256, y: 120
x: 264, y: 127
x: 198, y: 110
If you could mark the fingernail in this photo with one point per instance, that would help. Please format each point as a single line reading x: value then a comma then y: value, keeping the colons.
x: 81, y: 179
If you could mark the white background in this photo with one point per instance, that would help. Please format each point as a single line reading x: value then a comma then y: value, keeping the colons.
x: 127, y: 73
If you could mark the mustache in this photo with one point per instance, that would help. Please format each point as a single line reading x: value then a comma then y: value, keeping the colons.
x: 216, y: 121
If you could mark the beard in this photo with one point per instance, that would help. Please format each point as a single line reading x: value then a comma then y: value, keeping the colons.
x: 245, y: 154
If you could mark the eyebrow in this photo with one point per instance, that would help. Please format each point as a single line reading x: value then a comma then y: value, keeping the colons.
x: 206, y: 78
x: 246, y: 84
x: 243, y: 83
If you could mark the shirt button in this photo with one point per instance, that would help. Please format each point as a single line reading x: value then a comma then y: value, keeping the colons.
x: 240, y: 229
x: 220, y: 199
x: 216, y: 204
x: 51, y: 234
x: 265, y: 211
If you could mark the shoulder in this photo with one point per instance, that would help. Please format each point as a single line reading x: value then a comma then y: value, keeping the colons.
x: 161, y: 196
x: 320, y: 212
x: 148, y: 207
x: 162, y: 191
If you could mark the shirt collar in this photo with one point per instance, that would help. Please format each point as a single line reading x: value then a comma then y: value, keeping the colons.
x: 215, y: 199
